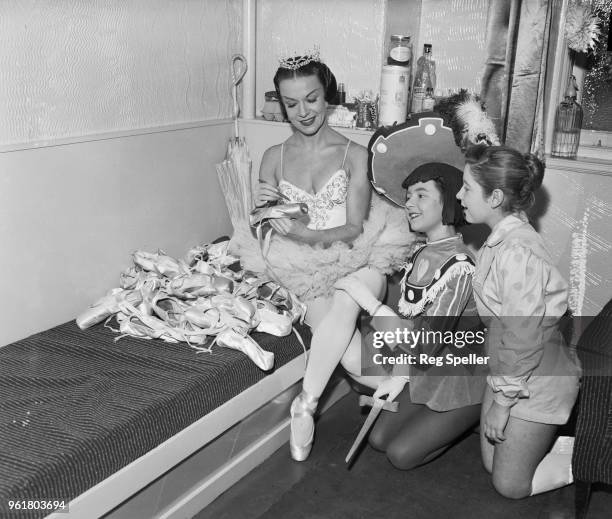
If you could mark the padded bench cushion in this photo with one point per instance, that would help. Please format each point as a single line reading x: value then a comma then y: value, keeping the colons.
x: 76, y: 406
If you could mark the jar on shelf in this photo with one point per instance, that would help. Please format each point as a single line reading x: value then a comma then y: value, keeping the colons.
x: 400, y: 51
x: 271, y: 110
x: 568, y: 122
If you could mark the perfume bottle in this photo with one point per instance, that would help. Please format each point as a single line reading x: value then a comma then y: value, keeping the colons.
x: 568, y: 122
x: 424, y: 79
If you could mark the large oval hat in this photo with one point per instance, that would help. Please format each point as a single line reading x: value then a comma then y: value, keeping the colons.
x: 394, y: 152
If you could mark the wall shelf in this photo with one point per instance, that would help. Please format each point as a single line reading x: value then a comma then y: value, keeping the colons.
x: 581, y: 165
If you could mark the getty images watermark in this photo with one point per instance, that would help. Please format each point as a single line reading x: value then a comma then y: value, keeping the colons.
x: 405, y: 338
x: 444, y: 346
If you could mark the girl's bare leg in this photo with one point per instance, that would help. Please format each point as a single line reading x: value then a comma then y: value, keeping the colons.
x: 521, y: 465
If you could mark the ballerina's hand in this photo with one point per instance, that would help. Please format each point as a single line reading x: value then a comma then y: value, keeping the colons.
x: 265, y: 194
x: 391, y: 386
x: 288, y: 227
x: 359, y: 292
x: 495, y: 422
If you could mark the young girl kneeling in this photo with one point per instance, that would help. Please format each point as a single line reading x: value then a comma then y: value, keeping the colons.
x: 440, y: 403
x: 521, y: 296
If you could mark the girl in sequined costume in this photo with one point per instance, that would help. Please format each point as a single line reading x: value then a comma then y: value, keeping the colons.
x: 439, y: 403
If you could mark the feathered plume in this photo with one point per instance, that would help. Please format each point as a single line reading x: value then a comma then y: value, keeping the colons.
x: 581, y: 27
x: 467, y: 117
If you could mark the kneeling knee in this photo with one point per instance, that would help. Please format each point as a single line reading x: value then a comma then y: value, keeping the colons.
x: 510, y: 489
x: 341, y: 298
x: 377, y: 442
x: 401, y: 461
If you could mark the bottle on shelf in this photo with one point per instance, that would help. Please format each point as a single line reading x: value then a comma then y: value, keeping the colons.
x: 340, y: 94
x: 424, y: 80
x: 568, y: 123
x: 429, y: 101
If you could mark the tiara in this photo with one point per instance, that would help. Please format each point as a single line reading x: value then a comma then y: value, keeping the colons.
x: 296, y: 62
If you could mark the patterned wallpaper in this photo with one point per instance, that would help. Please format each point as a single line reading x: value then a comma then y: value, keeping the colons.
x: 73, y: 67
x: 456, y: 29
x: 350, y: 34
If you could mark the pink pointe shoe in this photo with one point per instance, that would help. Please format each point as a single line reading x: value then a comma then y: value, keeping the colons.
x: 231, y: 339
x: 107, y: 306
x: 303, y: 409
x: 273, y: 321
x: 159, y: 262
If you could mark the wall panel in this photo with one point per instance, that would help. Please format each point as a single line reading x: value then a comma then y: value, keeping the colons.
x: 73, y: 68
x: 71, y: 215
x: 350, y: 34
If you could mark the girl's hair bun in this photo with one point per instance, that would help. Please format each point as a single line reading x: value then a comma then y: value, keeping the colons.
x: 535, y: 169
x: 518, y: 175
x: 531, y: 182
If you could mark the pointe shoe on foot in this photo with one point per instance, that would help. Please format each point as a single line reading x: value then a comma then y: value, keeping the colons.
x: 302, y: 425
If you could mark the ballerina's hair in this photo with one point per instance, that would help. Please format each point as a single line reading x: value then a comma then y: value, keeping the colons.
x: 517, y: 175
x: 312, y: 67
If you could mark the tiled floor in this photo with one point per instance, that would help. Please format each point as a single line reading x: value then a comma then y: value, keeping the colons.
x: 453, y: 486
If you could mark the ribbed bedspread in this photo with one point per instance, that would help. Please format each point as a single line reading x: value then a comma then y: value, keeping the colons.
x: 76, y: 406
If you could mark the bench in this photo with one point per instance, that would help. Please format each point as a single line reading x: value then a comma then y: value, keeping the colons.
x: 92, y: 421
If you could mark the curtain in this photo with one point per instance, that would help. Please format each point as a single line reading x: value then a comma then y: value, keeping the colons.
x: 501, y: 22
x: 519, y: 45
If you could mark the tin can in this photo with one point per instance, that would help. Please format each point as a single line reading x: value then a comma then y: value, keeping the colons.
x: 394, y: 88
x: 271, y: 110
x: 367, y: 116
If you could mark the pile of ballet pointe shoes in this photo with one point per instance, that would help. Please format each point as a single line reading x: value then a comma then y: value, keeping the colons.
x: 204, y: 300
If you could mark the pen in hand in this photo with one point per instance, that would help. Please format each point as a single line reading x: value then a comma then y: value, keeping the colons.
x: 281, y: 195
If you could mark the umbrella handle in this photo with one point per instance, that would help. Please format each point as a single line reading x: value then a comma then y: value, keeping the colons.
x: 239, y: 69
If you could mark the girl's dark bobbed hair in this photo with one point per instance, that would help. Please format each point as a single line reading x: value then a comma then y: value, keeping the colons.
x: 516, y: 174
x: 448, y: 180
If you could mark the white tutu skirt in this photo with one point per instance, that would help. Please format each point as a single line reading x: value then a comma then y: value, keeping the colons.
x: 311, y: 271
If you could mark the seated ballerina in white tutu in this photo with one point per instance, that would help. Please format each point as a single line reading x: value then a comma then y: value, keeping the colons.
x: 342, y: 234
